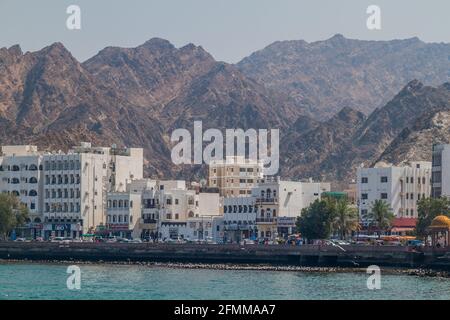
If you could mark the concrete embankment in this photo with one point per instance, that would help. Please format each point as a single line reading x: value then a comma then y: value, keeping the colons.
x: 308, y: 255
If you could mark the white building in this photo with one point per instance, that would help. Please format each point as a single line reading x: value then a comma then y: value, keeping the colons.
x: 441, y: 171
x: 66, y: 192
x: 21, y: 174
x: 169, y: 204
x: 400, y: 187
x: 278, y: 198
x: 123, y: 214
x: 270, y: 210
x: 205, y: 228
x: 239, y: 218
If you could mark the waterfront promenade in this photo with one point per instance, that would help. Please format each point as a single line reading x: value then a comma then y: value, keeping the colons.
x: 306, y: 255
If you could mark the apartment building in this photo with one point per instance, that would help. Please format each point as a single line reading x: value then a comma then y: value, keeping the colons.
x: 271, y: 209
x: 21, y: 174
x: 235, y: 176
x: 239, y: 218
x: 170, y: 204
x: 400, y: 187
x: 441, y: 171
x: 66, y: 192
x: 278, y: 198
x: 123, y: 214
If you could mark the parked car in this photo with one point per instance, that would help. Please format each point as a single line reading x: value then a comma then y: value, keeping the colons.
x: 57, y: 239
x: 136, y: 241
x: 20, y: 240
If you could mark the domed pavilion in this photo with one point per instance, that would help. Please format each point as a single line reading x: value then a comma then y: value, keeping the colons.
x: 440, y: 231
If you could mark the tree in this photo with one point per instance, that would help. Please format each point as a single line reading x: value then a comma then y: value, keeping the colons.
x: 427, y: 210
x: 345, y: 218
x: 13, y: 214
x: 315, y: 220
x: 381, y: 215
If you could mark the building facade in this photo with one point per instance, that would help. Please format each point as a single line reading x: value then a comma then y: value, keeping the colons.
x: 400, y: 187
x: 21, y: 174
x: 235, y: 176
x: 66, y: 193
x: 441, y: 171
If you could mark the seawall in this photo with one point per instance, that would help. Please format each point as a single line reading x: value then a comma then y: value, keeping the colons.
x: 307, y: 255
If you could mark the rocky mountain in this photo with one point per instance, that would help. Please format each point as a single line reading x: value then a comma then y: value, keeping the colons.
x: 129, y: 96
x: 401, y: 131
x: 137, y: 96
x: 339, y: 72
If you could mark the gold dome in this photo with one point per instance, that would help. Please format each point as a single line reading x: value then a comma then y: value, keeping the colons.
x: 440, y: 222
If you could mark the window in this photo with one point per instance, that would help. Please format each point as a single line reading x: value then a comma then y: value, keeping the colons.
x: 384, y: 196
x: 384, y: 179
x: 364, y: 196
x: 364, y: 180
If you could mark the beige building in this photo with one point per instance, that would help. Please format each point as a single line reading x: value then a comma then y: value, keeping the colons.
x: 235, y: 176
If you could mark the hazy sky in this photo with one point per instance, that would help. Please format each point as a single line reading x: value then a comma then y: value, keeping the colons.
x: 228, y: 29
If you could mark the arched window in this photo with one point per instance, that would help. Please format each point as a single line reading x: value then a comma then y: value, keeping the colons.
x: 190, y: 214
x: 33, y: 180
x: 16, y: 193
x: 245, y: 209
x: 15, y: 168
x: 268, y: 193
x: 114, y: 218
x: 114, y: 203
x: 225, y: 209
x: 33, y: 167
x: 37, y: 220
x: 32, y: 193
x: 15, y: 180
x: 262, y: 213
x: 120, y: 203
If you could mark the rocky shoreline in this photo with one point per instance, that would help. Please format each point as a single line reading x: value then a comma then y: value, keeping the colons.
x: 234, y: 267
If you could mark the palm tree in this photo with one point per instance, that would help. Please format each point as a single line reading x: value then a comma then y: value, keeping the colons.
x: 381, y: 215
x: 345, y: 218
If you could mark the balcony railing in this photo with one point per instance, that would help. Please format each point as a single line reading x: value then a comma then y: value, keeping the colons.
x: 148, y: 221
x: 267, y: 200
x: 266, y: 220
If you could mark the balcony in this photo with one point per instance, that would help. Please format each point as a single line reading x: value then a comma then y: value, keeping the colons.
x: 266, y: 220
x: 267, y: 200
x: 148, y: 221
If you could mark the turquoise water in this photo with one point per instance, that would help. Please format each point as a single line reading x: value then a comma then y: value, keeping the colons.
x: 48, y: 281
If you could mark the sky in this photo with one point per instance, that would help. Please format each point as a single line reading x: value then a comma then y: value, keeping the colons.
x: 229, y: 29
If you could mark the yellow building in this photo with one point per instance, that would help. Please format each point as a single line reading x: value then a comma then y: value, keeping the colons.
x: 235, y: 176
